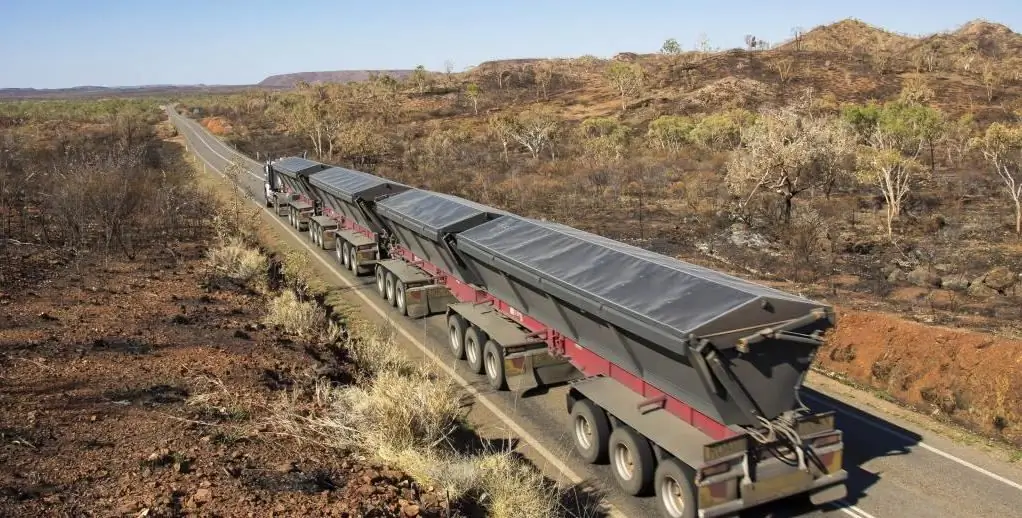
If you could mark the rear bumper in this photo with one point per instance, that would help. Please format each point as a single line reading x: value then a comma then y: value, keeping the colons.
x: 818, y: 484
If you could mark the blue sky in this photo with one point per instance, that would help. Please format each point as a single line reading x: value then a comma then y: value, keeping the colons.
x: 53, y: 43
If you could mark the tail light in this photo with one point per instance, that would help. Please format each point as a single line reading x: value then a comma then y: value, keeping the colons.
x: 713, y: 470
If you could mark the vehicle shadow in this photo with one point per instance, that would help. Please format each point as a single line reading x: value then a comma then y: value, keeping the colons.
x: 866, y: 437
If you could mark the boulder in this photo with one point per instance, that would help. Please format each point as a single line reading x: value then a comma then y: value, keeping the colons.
x: 978, y: 289
x: 922, y: 276
x: 956, y: 282
x: 1000, y: 278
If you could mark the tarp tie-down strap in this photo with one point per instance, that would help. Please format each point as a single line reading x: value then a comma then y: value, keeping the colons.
x: 783, y: 331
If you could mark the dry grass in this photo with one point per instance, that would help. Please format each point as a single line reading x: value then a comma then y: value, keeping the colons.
x: 235, y: 262
x: 372, y: 349
x: 511, y: 488
x: 303, y: 319
x: 404, y: 415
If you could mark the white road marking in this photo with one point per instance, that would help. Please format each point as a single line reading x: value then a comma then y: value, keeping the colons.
x: 526, y: 436
x: 929, y: 448
x: 851, y: 510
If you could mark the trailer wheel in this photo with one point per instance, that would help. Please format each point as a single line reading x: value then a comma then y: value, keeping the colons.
x: 591, y: 431
x: 456, y: 335
x: 399, y: 298
x: 493, y: 362
x: 381, y: 284
x: 390, y: 288
x: 474, y: 349
x: 631, y: 460
x: 353, y: 261
x: 675, y: 490
x: 339, y: 251
x: 344, y: 254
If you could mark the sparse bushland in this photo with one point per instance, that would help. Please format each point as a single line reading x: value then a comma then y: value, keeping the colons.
x: 84, y: 178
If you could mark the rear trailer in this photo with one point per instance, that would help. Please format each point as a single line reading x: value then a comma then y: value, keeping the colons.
x: 693, y: 374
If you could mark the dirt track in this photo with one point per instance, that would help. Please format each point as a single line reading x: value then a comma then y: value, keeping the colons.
x: 133, y: 388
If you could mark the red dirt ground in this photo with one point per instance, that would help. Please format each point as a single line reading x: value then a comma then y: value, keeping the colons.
x: 973, y: 378
x: 131, y: 390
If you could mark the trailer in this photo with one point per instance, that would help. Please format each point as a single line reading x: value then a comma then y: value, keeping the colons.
x: 684, y: 379
x: 714, y: 364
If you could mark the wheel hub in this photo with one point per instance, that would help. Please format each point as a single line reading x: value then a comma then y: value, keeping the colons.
x: 670, y: 493
x: 623, y: 462
x: 583, y: 432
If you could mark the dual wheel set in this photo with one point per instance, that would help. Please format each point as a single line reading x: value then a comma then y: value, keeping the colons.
x: 391, y: 289
x: 470, y: 344
x: 347, y: 255
x: 634, y: 462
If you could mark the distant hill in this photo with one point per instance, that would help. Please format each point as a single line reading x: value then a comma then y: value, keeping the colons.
x: 85, y: 92
x: 275, y: 82
x: 333, y: 76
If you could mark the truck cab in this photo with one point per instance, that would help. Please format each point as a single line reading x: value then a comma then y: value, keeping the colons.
x: 271, y: 185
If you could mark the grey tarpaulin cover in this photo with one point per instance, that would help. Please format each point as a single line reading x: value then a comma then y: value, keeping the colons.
x: 346, y: 184
x: 432, y: 214
x: 598, y: 273
x: 294, y: 165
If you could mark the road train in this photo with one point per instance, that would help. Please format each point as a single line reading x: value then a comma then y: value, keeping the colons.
x: 684, y: 379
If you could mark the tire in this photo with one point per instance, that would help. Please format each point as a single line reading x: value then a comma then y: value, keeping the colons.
x: 399, y: 298
x: 474, y: 341
x: 456, y: 335
x: 631, y: 461
x: 675, y: 489
x: 344, y: 255
x: 381, y: 283
x: 389, y: 278
x: 590, y: 429
x: 493, y: 365
x: 339, y: 251
x: 353, y: 260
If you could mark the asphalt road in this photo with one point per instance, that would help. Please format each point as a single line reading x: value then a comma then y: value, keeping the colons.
x: 897, y: 468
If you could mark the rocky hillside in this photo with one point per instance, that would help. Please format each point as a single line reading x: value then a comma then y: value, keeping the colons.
x: 333, y: 76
